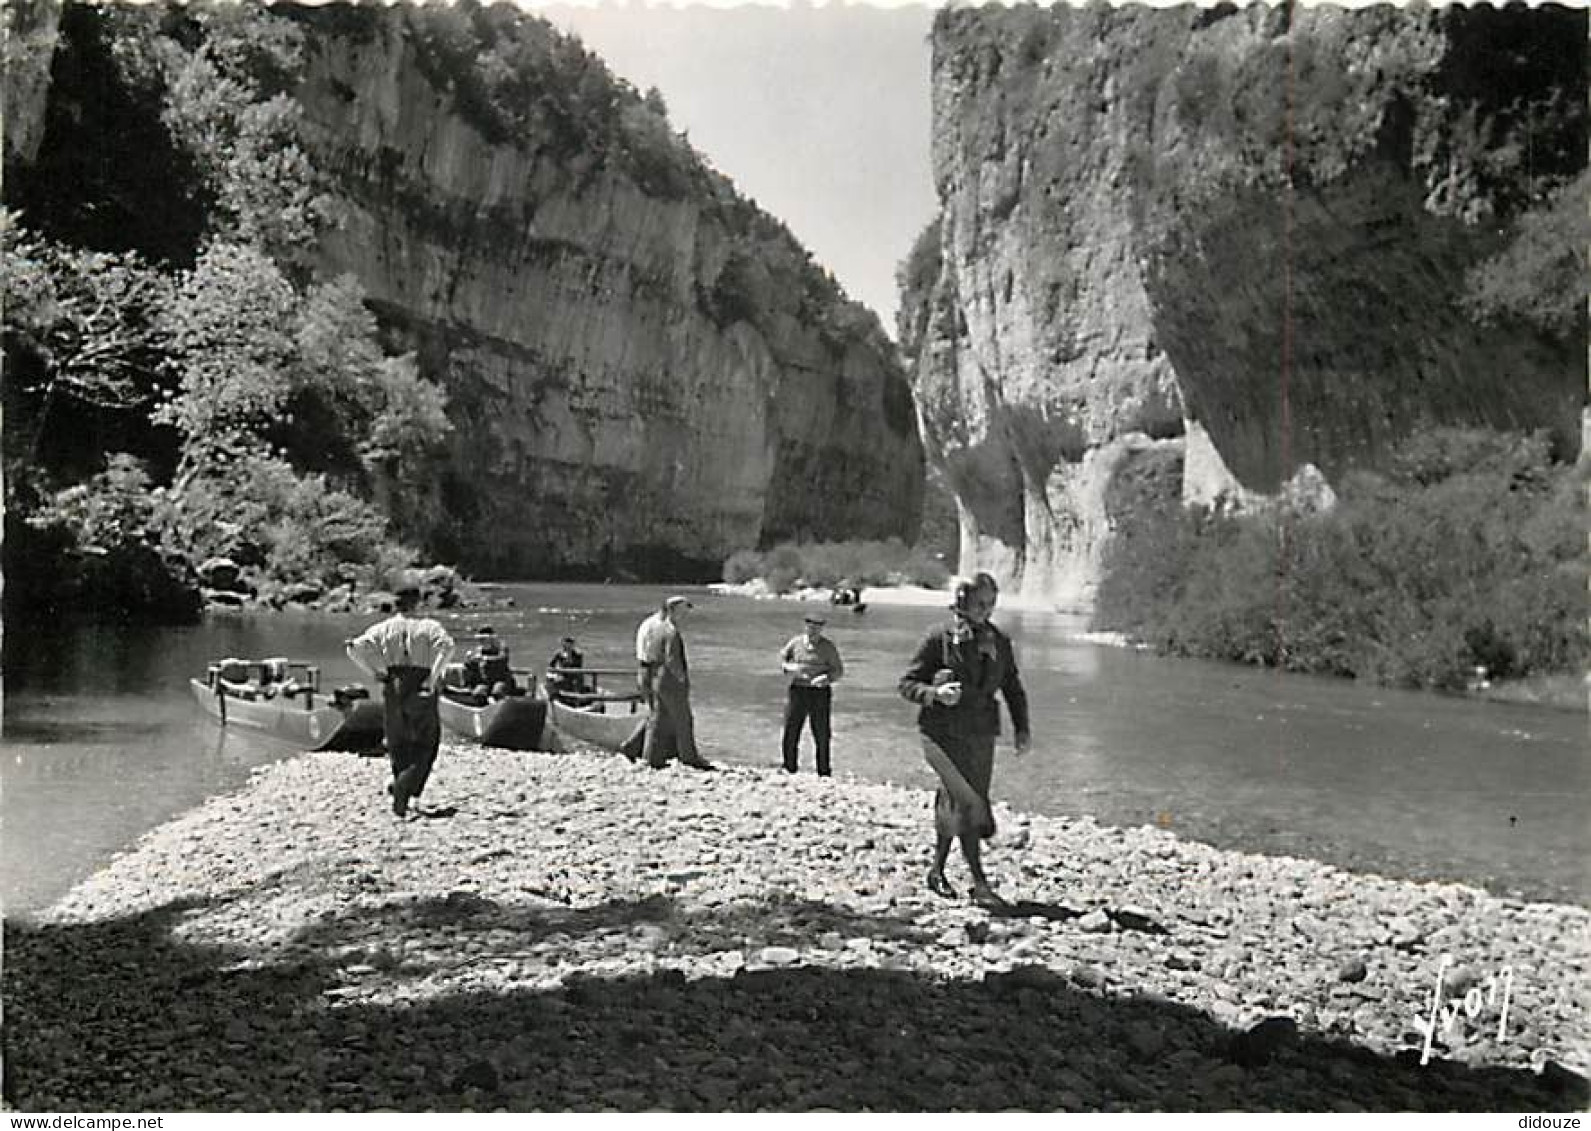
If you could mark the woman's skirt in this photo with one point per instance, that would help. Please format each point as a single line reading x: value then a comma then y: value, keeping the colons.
x: 965, y: 765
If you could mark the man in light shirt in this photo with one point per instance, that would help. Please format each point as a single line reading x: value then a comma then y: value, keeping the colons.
x: 406, y: 655
x: 813, y: 664
x: 663, y: 676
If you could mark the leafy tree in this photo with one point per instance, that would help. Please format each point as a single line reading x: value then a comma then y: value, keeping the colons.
x: 107, y: 551
x: 1543, y: 275
x: 230, y: 331
x: 81, y: 326
x: 226, y: 105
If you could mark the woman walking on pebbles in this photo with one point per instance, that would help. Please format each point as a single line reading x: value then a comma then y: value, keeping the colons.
x: 954, y: 677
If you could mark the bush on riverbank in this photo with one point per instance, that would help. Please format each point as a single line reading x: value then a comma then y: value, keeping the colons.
x: 1467, y: 550
x: 789, y: 566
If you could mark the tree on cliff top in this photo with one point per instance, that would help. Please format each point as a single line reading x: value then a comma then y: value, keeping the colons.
x: 1543, y: 275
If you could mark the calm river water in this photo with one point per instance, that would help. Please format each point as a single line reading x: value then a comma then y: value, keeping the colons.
x: 102, y: 743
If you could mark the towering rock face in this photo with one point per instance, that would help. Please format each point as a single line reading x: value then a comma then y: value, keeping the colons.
x: 1235, y: 231
x: 29, y: 29
x: 644, y: 373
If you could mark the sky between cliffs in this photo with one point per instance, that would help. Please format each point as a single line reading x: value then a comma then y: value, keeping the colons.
x: 820, y: 115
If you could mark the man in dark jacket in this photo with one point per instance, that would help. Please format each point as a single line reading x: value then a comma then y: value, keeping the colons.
x: 954, y: 676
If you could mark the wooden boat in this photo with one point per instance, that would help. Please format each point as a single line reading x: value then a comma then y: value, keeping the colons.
x: 594, y: 717
x: 270, y: 699
x: 515, y: 722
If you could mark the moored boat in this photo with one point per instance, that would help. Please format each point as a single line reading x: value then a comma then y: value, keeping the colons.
x: 515, y: 722
x: 582, y: 725
x: 590, y: 716
x: 266, y: 696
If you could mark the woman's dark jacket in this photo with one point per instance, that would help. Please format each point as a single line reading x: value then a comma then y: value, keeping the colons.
x: 983, y: 661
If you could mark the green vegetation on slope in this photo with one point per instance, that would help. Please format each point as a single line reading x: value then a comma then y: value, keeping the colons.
x: 180, y: 384
x: 201, y: 395
x: 1466, y: 551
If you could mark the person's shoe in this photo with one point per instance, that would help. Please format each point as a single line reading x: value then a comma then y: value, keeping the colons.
x: 698, y: 764
x: 939, y: 885
x: 400, y: 802
x: 985, y: 896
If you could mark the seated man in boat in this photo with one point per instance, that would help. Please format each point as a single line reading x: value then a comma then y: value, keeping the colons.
x: 458, y: 682
x: 567, y: 688
x: 236, y: 677
x: 488, y: 663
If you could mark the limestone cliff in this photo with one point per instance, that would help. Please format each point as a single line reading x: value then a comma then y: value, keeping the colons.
x: 645, y: 372
x: 29, y: 30
x: 1242, y: 231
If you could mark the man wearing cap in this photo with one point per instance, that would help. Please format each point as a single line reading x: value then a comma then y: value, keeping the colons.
x: 406, y: 655
x: 663, y: 676
x: 487, y: 668
x: 566, y: 687
x: 813, y: 664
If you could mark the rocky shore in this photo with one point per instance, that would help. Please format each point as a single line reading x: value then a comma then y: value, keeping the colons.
x: 576, y: 932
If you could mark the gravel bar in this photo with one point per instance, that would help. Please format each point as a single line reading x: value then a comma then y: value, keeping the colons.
x: 571, y: 932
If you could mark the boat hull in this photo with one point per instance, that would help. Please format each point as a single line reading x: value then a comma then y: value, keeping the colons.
x: 518, y: 722
x: 575, y: 727
x: 359, y: 728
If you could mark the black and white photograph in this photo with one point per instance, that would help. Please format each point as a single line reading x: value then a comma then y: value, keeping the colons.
x: 795, y: 558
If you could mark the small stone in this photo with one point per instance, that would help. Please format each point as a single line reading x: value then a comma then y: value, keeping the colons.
x: 1353, y: 970
x: 1461, y: 980
x: 1089, y: 977
x: 778, y: 956
x: 1096, y: 922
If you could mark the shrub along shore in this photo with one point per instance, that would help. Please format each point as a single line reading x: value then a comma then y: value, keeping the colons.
x: 577, y: 932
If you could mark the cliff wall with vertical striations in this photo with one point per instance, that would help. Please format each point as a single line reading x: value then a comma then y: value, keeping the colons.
x: 1237, y: 235
x: 645, y: 372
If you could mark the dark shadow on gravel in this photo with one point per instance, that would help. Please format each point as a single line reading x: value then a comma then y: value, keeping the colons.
x: 119, y: 1015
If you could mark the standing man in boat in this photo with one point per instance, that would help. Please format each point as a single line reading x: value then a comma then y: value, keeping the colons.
x: 406, y: 655
x: 663, y: 675
x: 813, y: 664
